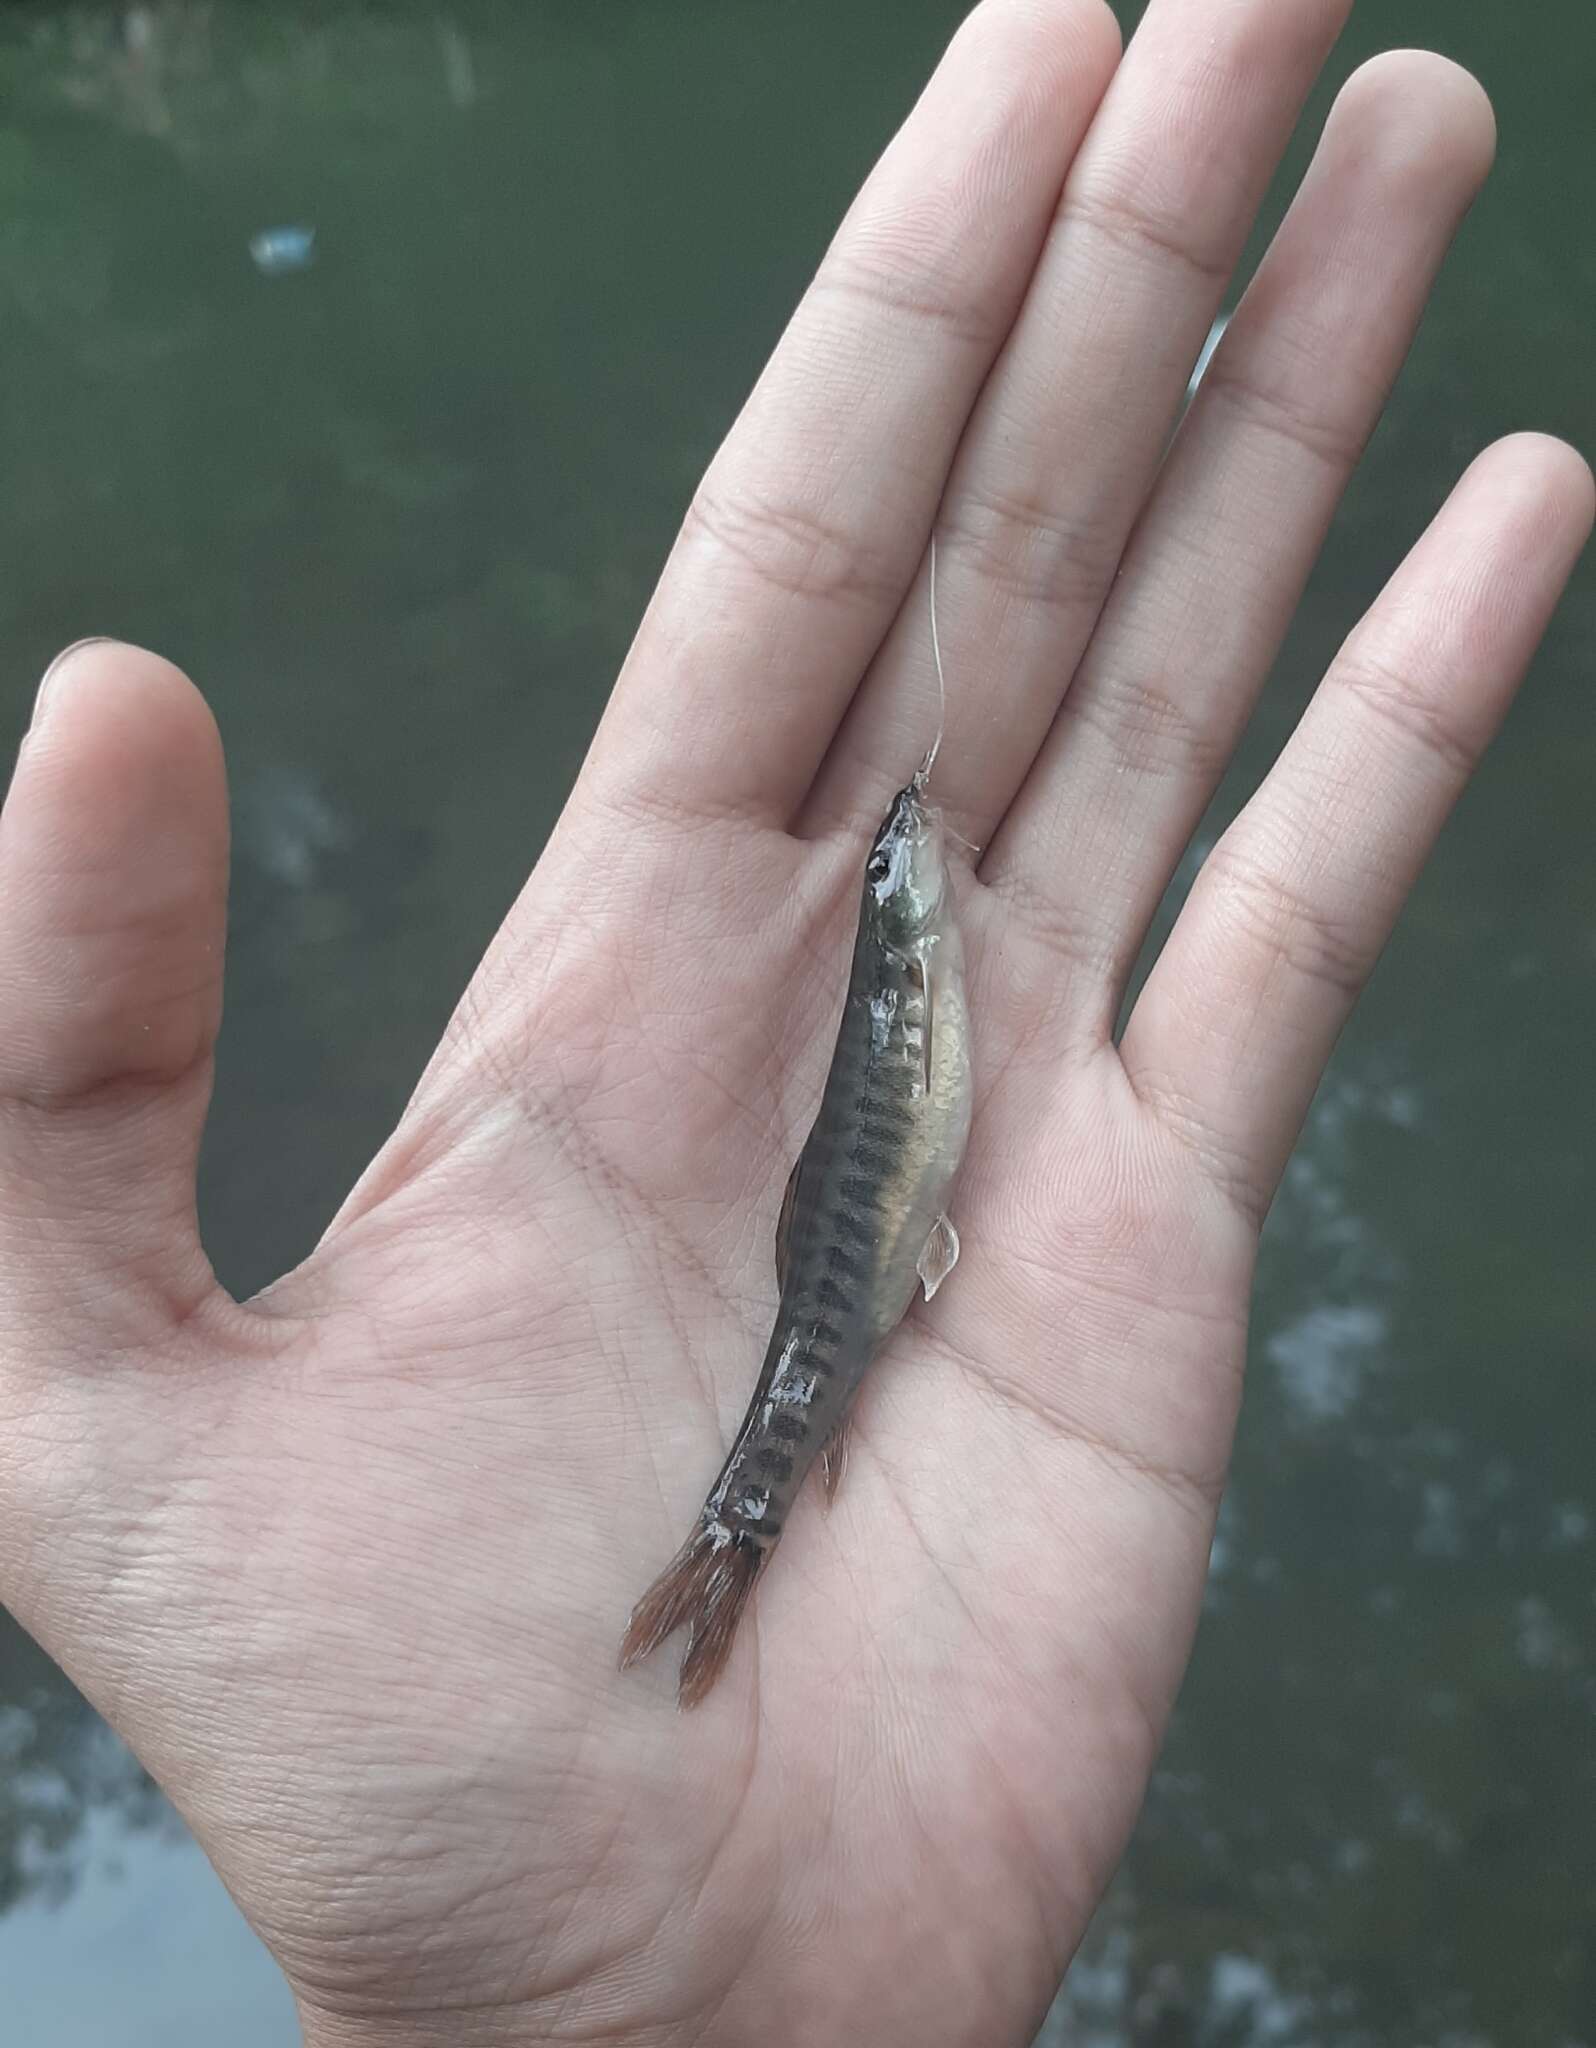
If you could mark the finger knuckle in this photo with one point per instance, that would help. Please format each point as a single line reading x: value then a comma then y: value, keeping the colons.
x: 1392, y: 695
x: 1027, y: 551
x: 1284, y: 928
x: 789, y: 544
x: 1281, y: 413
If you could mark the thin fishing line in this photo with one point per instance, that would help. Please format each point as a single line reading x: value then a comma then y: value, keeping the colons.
x: 923, y: 773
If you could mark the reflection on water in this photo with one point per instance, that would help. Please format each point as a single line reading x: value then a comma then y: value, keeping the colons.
x: 58, y: 1766
x: 1373, y: 1821
x: 397, y: 507
x: 152, y: 1951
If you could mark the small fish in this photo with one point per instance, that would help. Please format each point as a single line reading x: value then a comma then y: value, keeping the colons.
x: 862, y: 1226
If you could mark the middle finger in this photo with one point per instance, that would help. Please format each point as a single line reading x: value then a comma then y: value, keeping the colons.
x: 1063, y: 444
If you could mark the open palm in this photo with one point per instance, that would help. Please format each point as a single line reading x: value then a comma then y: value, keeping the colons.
x: 349, y: 1565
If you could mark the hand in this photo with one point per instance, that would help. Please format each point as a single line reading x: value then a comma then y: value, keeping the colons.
x: 349, y: 1564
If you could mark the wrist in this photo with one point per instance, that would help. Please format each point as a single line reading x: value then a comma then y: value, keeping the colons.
x: 487, y: 2028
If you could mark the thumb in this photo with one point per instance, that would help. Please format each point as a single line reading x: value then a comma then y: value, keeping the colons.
x: 113, y: 891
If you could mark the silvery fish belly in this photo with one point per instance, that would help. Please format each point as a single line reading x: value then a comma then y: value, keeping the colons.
x: 862, y: 1226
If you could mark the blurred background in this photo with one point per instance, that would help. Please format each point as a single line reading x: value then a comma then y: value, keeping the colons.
x: 361, y: 358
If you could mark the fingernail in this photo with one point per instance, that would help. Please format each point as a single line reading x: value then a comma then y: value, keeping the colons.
x: 55, y: 668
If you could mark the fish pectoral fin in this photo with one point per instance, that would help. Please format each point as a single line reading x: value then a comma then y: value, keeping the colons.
x: 940, y: 1256
x: 834, y: 1460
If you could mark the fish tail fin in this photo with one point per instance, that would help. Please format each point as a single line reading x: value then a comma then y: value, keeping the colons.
x: 704, y: 1588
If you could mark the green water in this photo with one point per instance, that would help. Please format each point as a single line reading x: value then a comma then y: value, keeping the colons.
x: 398, y: 511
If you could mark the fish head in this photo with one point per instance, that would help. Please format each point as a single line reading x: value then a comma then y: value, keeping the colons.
x: 906, y: 876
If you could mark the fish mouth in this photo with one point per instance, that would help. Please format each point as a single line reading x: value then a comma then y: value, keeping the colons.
x: 910, y: 812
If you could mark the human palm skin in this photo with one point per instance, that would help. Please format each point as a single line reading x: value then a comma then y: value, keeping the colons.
x: 349, y: 1564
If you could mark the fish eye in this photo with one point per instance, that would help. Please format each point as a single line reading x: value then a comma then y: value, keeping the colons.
x: 878, y: 867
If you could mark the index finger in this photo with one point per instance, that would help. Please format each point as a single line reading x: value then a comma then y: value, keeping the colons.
x: 806, y: 532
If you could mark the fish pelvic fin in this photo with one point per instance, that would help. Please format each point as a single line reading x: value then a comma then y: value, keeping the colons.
x: 834, y: 1460
x: 703, y: 1589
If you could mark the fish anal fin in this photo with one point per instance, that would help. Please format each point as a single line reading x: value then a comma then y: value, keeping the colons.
x: 789, y: 1202
x: 939, y: 1257
x: 834, y: 1460
x: 784, y: 1222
